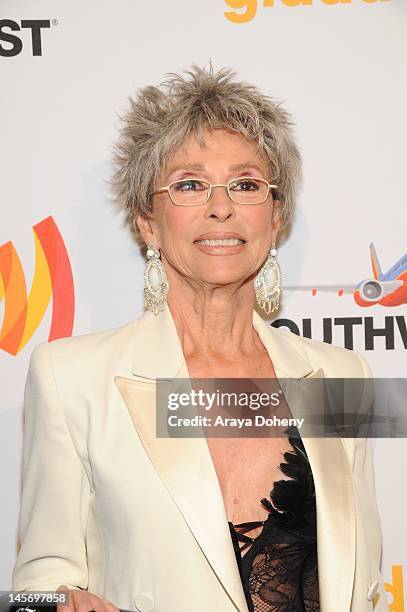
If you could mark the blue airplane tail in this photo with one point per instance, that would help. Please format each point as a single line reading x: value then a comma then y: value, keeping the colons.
x: 377, y: 270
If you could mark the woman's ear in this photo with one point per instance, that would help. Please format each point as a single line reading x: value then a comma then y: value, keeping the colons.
x: 145, y: 230
x: 276, y: 220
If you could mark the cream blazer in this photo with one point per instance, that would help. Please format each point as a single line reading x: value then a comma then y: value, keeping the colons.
x: 109, y: 507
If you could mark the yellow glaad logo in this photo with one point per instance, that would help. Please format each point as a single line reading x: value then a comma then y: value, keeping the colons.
x: 249, y: 7
x: 396, y: 589
x: 52, y: 278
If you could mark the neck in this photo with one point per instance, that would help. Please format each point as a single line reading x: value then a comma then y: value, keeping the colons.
x: 213, y: 320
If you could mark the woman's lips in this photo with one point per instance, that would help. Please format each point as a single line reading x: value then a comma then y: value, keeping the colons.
x: 220, y: 246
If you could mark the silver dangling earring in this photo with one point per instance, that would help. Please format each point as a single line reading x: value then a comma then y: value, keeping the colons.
x: 267, y: 284
x: 156, y: 284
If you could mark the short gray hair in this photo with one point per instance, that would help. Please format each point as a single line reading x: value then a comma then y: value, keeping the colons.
x: 161, y: 118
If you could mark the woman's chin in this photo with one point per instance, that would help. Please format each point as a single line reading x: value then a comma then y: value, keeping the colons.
x: 222, y: 278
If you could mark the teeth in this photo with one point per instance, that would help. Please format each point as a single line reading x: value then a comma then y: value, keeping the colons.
x: 221, y: 242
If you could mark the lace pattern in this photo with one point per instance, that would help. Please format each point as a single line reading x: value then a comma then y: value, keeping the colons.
x: 279, y: 569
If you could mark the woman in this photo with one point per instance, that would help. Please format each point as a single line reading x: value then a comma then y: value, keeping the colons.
x: 207, y: 170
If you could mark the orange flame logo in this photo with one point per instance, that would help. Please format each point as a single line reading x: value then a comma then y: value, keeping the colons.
x: 52, y: 277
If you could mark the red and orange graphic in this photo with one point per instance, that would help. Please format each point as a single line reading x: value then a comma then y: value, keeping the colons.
x: 52, y: 277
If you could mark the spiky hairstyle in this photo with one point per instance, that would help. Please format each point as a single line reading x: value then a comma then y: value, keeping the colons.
x: 160, y: 119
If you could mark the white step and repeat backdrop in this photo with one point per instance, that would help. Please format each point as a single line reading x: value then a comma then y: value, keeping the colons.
x: 68, y: 265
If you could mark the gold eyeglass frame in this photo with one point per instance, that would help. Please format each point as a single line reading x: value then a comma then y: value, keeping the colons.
x: 209, y: 193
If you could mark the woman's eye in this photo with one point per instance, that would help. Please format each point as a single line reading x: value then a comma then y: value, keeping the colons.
x: 190, y: 185
x: 245, y: 185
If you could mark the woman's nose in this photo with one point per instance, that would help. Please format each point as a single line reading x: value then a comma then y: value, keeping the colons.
x: 219, y: 205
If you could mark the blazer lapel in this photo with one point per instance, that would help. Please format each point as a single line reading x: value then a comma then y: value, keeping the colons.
x: 185, y: 465
x: 336, y: 515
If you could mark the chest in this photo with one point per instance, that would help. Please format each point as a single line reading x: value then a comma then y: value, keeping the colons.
x: 247, y: 470
x: 243, y: 366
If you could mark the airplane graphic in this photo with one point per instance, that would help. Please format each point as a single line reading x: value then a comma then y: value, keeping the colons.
x: 387, y: 289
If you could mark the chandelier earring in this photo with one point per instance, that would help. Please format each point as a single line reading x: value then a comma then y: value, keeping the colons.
x: 267, y: 283
x: 156, y: 284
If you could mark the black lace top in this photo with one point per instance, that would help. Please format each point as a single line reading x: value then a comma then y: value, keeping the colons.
x: 279, y: 571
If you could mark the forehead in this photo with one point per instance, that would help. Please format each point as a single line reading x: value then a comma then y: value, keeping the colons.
x: 220, y: 150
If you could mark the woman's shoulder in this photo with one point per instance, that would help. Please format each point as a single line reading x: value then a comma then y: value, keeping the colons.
x: 84, y: 349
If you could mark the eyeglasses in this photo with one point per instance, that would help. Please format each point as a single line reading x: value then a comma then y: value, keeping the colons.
x: 195, y: 191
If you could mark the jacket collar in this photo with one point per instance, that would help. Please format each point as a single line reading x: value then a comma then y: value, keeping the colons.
x: 157, y: 350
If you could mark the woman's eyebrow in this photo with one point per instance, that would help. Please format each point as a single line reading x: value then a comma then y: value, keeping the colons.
x: 194, y: 167
x: 249, y: 164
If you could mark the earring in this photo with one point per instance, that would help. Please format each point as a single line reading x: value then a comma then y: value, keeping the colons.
x: 156, y: 284
x: 267, y: 284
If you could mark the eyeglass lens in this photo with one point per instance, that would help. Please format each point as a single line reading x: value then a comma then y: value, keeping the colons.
x: 245, y: 190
